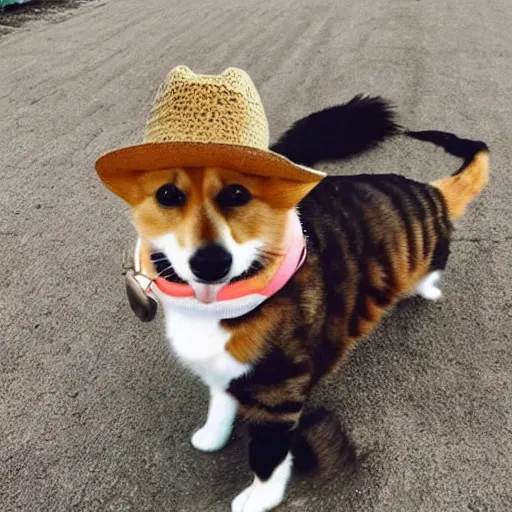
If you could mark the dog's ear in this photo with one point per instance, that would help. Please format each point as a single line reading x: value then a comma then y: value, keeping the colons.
x: 135, y: 186
x: 286, y: 194
x: 127, y: 186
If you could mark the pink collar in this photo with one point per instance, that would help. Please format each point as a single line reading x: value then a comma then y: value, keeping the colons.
x: 294, y: 258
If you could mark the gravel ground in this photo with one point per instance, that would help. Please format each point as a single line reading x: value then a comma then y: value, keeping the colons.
x: 95, y: 414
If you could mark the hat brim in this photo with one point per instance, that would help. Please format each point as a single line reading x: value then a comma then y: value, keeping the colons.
x: 154, y: 156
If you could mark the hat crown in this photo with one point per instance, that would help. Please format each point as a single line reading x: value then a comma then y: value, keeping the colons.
x: 222, y: 109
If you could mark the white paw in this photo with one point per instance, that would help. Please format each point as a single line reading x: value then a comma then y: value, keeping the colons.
x: 265, y: 496
x: 427, y: 288
x: 258, y: 498
x: 430, y: 293
x: 209, y: 440
x: 238, y: 504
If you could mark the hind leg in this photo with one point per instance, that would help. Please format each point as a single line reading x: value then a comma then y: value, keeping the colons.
x: 427, y: 287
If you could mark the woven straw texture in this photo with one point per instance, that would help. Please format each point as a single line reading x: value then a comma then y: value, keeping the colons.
x: 223, y: 109
x: 203, y: 121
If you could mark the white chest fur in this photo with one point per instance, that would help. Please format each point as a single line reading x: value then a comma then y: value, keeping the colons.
x: 199, y: 340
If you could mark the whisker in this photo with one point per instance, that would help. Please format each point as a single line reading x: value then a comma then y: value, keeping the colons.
x: 170, y: 274
x: 271, y: 254
x: 166, y: 269
x: 256, y: 267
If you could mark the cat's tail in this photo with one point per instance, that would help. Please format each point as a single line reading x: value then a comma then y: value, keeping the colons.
x: 320, y: 446
x: 466, y: 183
x: 338, y: 132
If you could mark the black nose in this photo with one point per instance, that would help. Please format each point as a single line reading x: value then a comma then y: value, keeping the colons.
x: 211, y: 263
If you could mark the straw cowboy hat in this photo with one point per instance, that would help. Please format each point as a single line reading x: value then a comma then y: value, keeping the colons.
x: 205, y: 121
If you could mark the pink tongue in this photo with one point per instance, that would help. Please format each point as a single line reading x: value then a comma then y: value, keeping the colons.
x: 206, y: 293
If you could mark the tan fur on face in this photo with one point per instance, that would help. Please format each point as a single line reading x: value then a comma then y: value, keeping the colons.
x: 201, y: 220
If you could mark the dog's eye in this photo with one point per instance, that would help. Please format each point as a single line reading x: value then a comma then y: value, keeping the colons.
x: 232, y: 196
x: 170, y: 196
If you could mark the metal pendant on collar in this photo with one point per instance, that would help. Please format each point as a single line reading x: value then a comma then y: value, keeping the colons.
x: 144, y: 306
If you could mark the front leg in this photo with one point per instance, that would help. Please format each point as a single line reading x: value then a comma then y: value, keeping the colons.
x: 216, y: 431
x: 271, y: 398
x: 271, y: 462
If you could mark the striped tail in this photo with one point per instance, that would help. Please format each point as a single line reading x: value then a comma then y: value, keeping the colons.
x: 467, y: 183
x: 321, y: 447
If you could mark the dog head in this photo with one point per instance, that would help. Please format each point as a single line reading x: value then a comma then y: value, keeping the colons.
x: 211, y: 225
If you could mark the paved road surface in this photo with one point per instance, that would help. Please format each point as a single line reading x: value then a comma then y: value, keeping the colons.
x: 94, y: 412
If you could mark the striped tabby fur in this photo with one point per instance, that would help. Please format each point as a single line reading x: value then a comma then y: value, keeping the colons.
x: 371, y: 239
